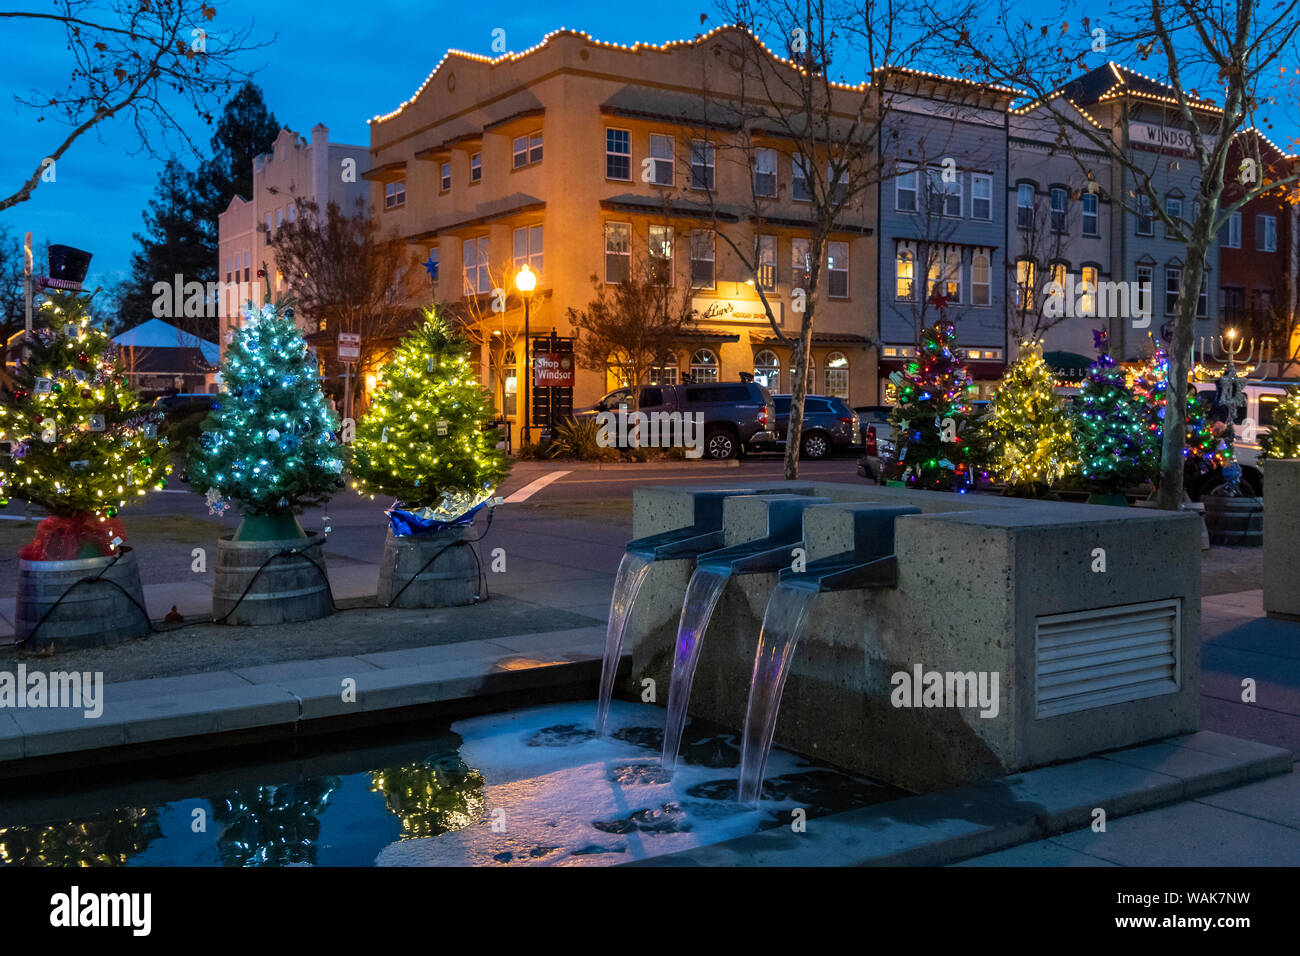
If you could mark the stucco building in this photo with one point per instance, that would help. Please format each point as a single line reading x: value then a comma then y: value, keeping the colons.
x: 583, y: 159
x: 295, y: 168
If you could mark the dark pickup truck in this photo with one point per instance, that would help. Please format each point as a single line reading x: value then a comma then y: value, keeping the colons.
x: 736, y: 416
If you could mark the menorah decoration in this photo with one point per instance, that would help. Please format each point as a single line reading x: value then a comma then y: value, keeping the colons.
x: 1231, y: 396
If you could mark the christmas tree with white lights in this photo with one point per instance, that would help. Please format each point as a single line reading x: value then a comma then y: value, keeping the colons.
x: 80, y: 443
x: 1031, y: 442
x: 423, y: 440
x: 270, y: 443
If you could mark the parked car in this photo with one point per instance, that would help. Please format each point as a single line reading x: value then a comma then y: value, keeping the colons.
x: 176, y: 407
x: 736, y: 416
x: 879, y: 449
x: 828, y: 424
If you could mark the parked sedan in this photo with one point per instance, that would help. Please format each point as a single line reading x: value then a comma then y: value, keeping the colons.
x: 828, y: 424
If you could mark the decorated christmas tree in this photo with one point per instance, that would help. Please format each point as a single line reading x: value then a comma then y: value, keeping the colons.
x: 1283, y: 438
x: 1115, y: 443
x: 270, y: 442
x: 1202, y: 449
x: 932, y: 414
x: 80, y: 444
x: 1029, y: 434
x: 422, y: 441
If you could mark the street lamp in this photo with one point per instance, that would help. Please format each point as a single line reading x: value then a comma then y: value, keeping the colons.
x: 525, y: 282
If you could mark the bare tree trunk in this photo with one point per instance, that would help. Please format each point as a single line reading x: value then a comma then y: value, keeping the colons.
x: 798, y: 389
x: 1170, y: 496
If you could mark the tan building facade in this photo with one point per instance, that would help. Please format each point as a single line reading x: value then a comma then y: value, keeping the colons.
x: 295, y: 168
x: 584, y: 159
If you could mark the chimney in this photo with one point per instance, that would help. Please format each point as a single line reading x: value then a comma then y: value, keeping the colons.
x: 320, y: 162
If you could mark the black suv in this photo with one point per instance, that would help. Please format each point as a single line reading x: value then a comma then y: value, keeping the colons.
x: 736, y: 415
x: 828, y: 424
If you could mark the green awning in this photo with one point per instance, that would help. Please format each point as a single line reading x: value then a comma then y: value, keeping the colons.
x: 1068, y: 366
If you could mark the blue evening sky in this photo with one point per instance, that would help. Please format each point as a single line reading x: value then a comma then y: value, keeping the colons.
x: 334, y: 61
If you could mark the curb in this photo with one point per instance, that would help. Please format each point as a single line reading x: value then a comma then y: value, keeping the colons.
x: 949, y: 826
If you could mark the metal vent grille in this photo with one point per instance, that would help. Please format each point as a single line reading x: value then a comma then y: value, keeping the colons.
x: 1089, y: 659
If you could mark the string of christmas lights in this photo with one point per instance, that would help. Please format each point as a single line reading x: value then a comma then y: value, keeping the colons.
x: 1030, y: 436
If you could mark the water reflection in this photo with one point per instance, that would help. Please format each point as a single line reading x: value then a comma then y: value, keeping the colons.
x: 436, y: 796
x: 272, y: 825
x: 108, y: 840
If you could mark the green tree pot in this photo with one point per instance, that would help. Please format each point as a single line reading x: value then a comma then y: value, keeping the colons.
x: 273, y: 527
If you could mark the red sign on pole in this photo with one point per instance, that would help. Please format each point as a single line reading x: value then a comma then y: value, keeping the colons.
x: 349, y: 346
x: 553, y: 369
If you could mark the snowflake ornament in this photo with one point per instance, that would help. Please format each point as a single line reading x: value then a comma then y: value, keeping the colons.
x: 217, y: 503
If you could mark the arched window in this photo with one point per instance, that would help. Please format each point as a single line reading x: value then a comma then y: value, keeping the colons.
x: 704, y: 366
x: 767, y: 369
x: 837, y: 375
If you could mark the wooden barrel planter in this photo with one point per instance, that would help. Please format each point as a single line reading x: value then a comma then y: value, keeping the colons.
x: 1234, y: 521
x: 289, y: 588
x: 450, y: 581
x: 89, y: 614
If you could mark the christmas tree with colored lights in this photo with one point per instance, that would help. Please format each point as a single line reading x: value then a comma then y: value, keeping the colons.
x: 1115, y: 443
x: 423, y: 441
x: 932, y: 414
x: 1283, y: 438
x: 80, y: 443
x: 1029, y: 434
x: 270, y: 443
x: 1202, y: 449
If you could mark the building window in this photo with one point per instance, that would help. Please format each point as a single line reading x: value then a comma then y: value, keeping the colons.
x: 1266, y: 233
x: 618, y: 251
x: 1088, y: 290
x: 904, y: 275
x: 1145, y: 225
x: 394, y: 194
x: 765, y: 173
x: 981, y: 289
x: 1058, y: 198
x: 1090, y: 227
x: 837, y: 265
x: 661, y: 160
x: 800, y: 264
x: 905, y: 191
x: 767, y: 262
x: 289, y: 214
x: 945, y: 197
x: 246, y: 261
x: 981, y: 196
x: 445, y: 177
x: 767, y: 370
x: 1174, y: 210
x: 838, y: 185
x: 661, y: 255
x: 837, y: 375
x: 268, y: 224
x: 1025, y: 206
x: 527, y: 149
x: 800, y: 191
x: 1202, y: 301
x: 618, y: 154
x: 702, y: 242
x: 279, y: 218
x: 952, y: 275
x: 1026, y: 280
x: 704, y: 366
x: 701, y: 164
x: 1145, y: 276
x: 1232, y: 231
x: 476, y: 167
x: 528, y: 248
x: 666, y: 373
x: 477, y: 278
x: 1173, y: 284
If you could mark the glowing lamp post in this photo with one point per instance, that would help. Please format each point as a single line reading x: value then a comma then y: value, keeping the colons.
x: 526, y: 282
